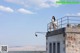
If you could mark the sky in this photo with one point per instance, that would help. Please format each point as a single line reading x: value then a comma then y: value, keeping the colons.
x: 20, y: 19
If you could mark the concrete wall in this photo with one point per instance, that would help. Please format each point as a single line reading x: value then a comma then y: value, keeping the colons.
x: 56, y: 38
x: 72, y: 40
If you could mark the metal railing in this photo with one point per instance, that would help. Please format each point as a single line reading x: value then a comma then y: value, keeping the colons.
x: 65, y: 21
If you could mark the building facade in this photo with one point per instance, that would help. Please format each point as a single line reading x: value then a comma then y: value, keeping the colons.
x: 63, y: 40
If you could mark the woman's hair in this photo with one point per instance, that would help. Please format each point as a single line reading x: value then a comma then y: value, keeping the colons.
x: 53, y: 17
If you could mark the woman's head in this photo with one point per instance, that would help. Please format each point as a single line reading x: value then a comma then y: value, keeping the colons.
x: 53, y: 17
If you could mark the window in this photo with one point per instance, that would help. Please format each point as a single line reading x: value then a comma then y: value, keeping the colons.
x: 54, y: 48
x: 50, y: 48
x: 58, y: 47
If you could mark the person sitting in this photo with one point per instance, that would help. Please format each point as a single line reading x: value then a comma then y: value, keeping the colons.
x: 53, y: 24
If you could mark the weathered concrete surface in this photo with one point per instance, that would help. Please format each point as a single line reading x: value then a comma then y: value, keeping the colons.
x: 72, y: 41
x: 72, y: 30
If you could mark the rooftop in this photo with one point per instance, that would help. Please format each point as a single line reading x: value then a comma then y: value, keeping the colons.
x: 66, y: 24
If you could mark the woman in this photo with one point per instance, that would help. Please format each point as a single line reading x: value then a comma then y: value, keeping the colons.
x: 53, y: 24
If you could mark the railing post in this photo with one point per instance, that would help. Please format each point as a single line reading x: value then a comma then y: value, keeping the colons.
x: 67, y: 20
x: 57, y: 25
x: 68, y: 24
x: 47, y: 27
x: 61, y: 22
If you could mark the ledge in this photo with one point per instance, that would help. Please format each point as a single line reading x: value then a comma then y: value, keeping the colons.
x: 56, y: 32
x: 64, y: 31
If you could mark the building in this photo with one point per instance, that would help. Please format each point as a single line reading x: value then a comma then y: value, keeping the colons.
x: 65, y: 39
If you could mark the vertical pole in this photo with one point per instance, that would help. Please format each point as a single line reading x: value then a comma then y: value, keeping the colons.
x: 68, y: 24
x: 47, y: 27
x: 57, y: 25
x: 61, y: 22
x: 67, y: 20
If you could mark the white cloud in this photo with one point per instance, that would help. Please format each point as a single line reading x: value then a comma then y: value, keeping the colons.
x: 22, y: 10
x: 35, y: 3
x: 0, y: 14
x: 6, y: 9
x: 77, y: 14
x: 70, y: 14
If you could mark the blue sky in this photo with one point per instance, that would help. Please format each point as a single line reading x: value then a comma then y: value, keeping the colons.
x: 20, y: 19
